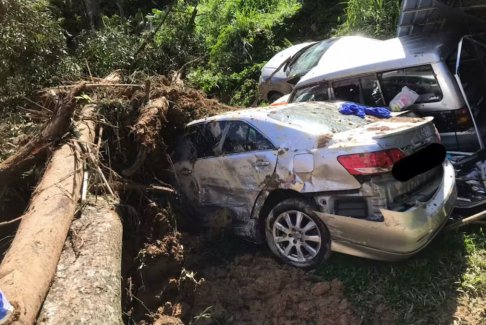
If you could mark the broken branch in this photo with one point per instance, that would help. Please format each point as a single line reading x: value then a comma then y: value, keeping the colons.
x: 474, y: 218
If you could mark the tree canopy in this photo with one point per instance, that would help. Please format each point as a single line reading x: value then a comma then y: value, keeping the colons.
x: 220, y: 46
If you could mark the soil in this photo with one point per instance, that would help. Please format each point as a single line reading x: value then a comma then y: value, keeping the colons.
x: 251, y: 289
x: 258, y: 290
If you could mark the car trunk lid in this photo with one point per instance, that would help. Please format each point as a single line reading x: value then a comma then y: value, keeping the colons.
x: 408, y: 134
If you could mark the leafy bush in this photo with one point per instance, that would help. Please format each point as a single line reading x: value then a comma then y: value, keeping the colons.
x: 176, y: 43
x: 374, y: 18
x: 107, y: 49
x: 238, y: 88
x: 239, y: 37
x: 32, y: 48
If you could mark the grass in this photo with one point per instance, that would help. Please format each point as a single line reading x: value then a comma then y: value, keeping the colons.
x: 426, y: 289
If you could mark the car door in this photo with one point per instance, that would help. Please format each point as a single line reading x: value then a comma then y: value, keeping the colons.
x: 198, y: 163
x: 248, y: 161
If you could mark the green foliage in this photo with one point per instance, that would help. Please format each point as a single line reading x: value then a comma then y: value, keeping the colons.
x: 32, y: 48
x: 373, y: 18
x: 316, y: 20
x: 238, y: 88
x: 238, y: 33
x: 222, y: 44
x: 107, y: 49
x: 175, y: 43
x: 239, y: 37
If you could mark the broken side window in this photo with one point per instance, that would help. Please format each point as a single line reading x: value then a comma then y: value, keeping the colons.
x: 420, y: 79
x: 206, y: 137
x: 242, y: 138
x: 371, y: 91
x: 364, y: 90
x: 313, y: 93
x: 256, y: 141
x: 347, y: 90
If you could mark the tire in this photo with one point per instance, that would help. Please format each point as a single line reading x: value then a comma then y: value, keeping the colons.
x: 303, y: 244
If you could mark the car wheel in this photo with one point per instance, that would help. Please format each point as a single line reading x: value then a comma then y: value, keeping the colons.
x: 296, y: 235
x: 273, y: 96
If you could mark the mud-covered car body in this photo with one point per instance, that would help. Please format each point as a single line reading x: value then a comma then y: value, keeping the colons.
x: 245, y: 162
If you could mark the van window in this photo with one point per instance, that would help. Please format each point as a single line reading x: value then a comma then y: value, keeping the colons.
x: 313, y: 93
x: 365, y: 90
x: 472, y: 73
x: 347, y: 90
x: 420, y: 79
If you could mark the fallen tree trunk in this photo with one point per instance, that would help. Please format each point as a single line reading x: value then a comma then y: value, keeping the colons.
x: 87, y: 285
x: 28, y: 268
x: 146, y: 131
x: 26, y: 156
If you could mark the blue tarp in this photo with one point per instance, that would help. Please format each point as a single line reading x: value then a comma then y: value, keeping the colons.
x: 350, y: 108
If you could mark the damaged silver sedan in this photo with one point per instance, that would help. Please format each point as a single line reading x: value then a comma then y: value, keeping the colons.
x: 308, y: 180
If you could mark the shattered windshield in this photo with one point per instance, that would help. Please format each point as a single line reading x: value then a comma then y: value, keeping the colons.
x: 310, y: 57
x: 317, y: 118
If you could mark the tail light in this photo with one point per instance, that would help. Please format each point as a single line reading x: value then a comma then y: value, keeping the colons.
x: 463, y: 119
x: 278, y: 103
x: 370, y: 163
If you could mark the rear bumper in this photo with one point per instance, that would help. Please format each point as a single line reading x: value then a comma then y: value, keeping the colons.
x: 402, y: 233
x: 460, y: 141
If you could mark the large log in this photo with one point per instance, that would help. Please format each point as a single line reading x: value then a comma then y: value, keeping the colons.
x: 28, y: 268
x: 87, y: 285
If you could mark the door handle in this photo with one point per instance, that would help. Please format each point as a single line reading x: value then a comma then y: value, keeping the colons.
x: 186, y: 171
x: 261, y: 163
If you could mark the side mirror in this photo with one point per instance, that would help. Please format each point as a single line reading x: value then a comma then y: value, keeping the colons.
x: 293, y: 80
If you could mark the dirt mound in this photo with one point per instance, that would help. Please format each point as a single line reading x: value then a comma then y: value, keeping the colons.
x: 258, y: 290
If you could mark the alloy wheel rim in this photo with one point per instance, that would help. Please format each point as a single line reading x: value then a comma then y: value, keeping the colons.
x: 296, y: 236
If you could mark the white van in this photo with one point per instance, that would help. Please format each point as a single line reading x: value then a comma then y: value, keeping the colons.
x: 426, y: 64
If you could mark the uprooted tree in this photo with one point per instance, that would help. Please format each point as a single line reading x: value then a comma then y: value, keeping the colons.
x: 120, y: 143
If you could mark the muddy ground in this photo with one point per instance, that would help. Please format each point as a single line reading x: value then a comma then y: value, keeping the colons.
x: 239, y: 284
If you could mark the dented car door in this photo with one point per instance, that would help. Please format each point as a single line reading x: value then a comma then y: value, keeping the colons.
x: 248, y: 161
x: 199, y: 163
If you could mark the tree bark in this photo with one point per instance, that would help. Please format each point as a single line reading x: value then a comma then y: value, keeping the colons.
x: 146, y: 131
x: 87, y: 285
x: 29, y: 265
